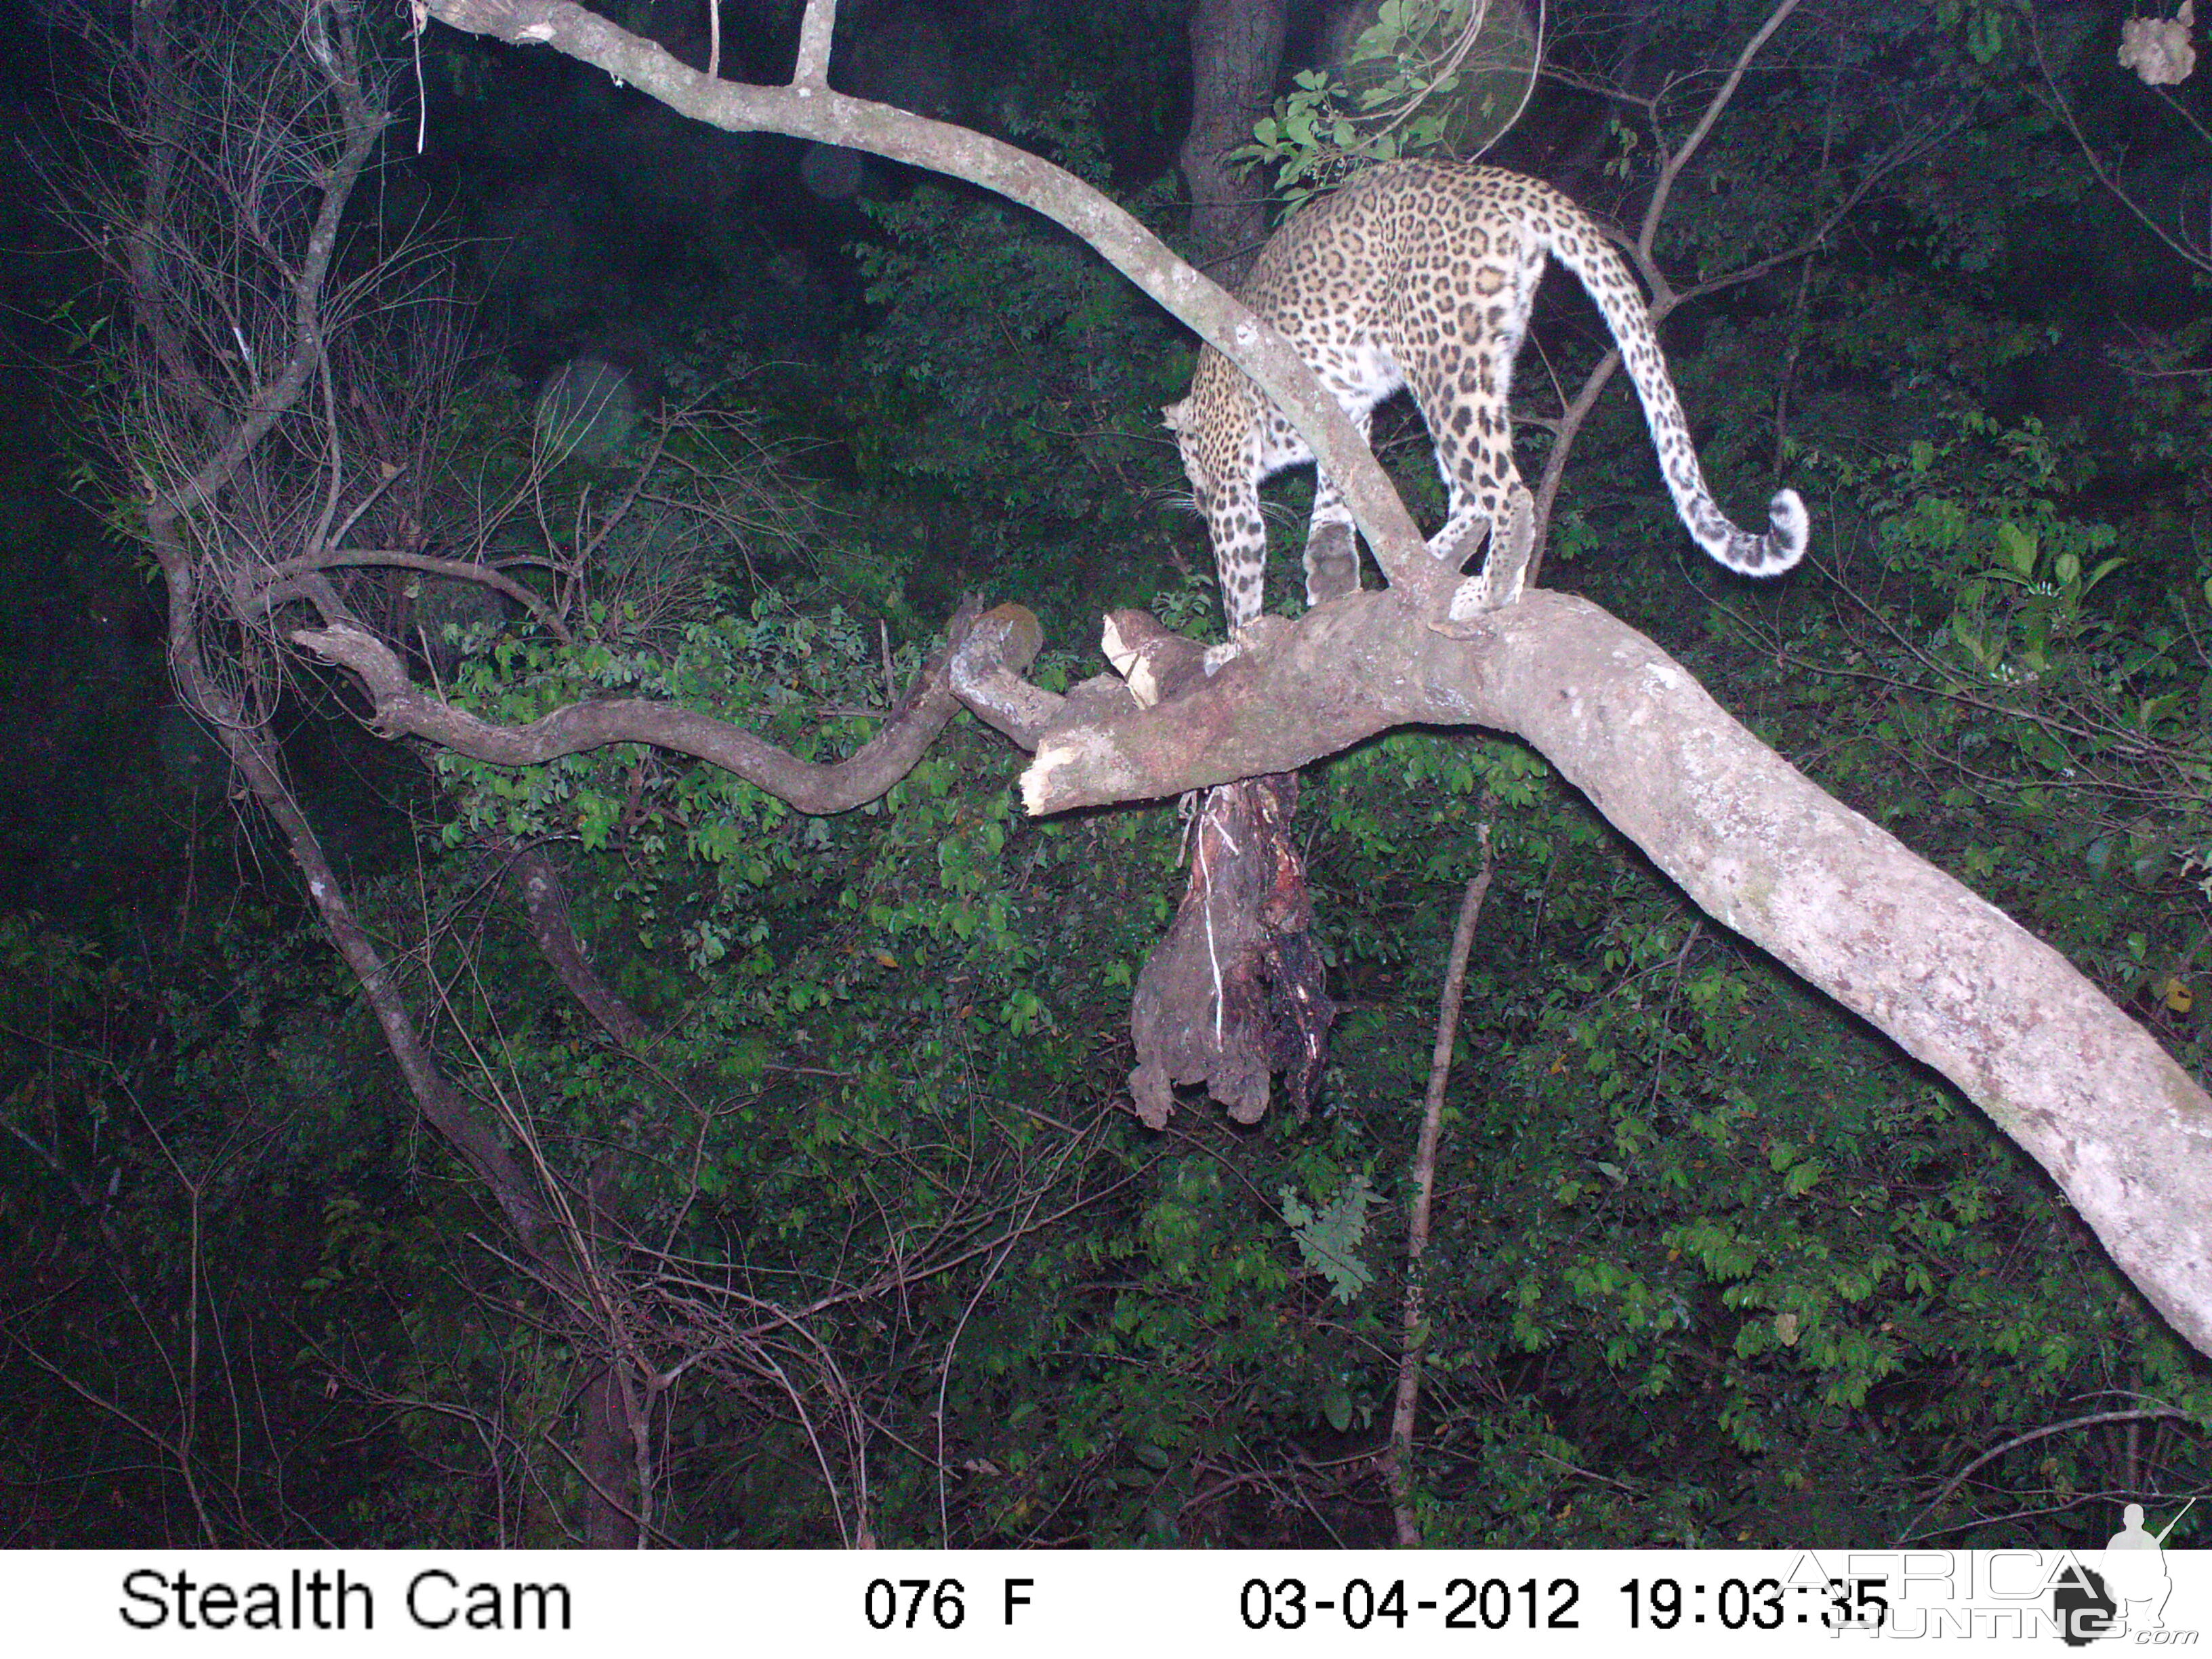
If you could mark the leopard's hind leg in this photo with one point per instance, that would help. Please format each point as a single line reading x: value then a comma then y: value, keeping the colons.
x: 1332, y: 540
x: 1463, y: 405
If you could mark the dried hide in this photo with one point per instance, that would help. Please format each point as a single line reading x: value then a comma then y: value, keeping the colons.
x: 1235, y: 991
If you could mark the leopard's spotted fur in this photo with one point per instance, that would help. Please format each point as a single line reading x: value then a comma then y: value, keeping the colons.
x: 1419, y: 273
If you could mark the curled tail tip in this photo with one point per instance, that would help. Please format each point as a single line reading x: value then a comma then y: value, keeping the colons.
x: 1789, y: 529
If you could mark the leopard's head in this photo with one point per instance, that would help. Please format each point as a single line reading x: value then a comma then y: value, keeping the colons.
x: 1181, y: 419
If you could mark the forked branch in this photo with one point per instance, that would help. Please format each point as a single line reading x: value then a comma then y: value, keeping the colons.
x: 808, y: 110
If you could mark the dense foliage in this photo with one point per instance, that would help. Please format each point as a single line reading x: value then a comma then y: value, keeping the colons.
x: 1714, y: 1263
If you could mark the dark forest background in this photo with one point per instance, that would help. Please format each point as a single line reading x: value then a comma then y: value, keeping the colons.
x: 1713, y: 1262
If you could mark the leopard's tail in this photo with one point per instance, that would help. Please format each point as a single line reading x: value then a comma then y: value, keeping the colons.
x: 1604, y: 276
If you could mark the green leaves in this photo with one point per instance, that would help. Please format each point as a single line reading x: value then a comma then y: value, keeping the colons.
x: 1329, y: 1238
x: 1425, y: 75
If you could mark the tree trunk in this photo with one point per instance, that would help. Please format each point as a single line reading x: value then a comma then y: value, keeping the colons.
x: 610, y: 1522
x: 1236, y: 51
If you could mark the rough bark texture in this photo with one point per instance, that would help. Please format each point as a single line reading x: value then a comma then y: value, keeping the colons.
x: 2079, y: 1085
x: 1958, y: 984
x: 1235, y: 52
x: 810, y: 786
x: 987, y: 668
x: 604, y: 1456
x: 546, y: 902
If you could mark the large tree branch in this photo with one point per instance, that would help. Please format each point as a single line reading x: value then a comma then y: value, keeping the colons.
x: 259, y: 591
x: 399, y: 710
x: 233, y: 439
x: 816, y: 111
x: 545, y: 903
x: 214, y: 470
x: 2077, y: 1083
x: 2080, y: 1085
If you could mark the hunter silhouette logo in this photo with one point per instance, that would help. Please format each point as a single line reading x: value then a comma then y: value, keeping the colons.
x: 2128, y: 1597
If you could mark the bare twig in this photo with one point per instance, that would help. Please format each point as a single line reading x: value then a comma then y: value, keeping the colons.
x: 1413, y: 1324
x: 2107, y: 175
x: 1672, y: 169
x: 2144, y: 1414
x: 1666, y: 299
x: 810, y: 109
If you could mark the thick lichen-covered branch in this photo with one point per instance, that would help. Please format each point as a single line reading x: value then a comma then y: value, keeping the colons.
x: 399, y: 709
x: 2083, y: 1088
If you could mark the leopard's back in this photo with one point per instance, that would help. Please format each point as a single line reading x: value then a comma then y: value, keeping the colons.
x: 1421, y: 274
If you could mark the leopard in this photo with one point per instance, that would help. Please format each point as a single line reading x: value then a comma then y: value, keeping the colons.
x: 1418, y: 274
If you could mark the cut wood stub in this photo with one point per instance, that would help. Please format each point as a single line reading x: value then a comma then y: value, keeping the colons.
x: 1156, y: 663
x: 1234, y: 993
